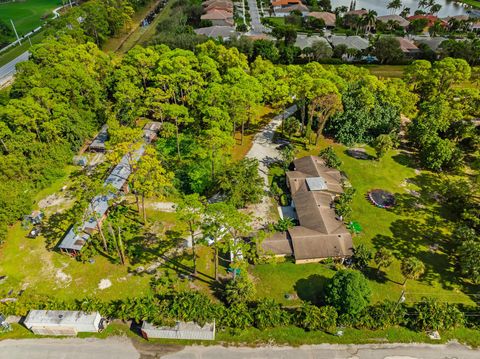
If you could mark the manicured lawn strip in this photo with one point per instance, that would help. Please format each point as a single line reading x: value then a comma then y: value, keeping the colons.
x: 27, y: 14
x: 10, y: 54
x: 473, y: 3
x: 296, y: 336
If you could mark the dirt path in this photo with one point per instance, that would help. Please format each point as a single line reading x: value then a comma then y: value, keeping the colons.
x: 264, y: 150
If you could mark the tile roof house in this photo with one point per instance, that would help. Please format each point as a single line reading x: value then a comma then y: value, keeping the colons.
x: 328, y: 18
x: 360, y: 12
x: 210, y: 2
x: 320, y: 234
x: 284, y: 11
x: 396, y: 18
x: 304, y: 41
x: 278, y: 4
x: 408, y: 47
x: 432, y: 42
x: 220, y: 5
x: 352, y: 42
x: 219, y: 17
x: 432, y: 19
x: 222, y: 32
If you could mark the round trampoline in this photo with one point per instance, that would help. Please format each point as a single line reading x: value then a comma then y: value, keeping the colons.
x: 381, y: 198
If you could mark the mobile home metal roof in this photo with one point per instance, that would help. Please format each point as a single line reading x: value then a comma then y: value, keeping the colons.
x: 80, y: 321
x: 74, y: 241
x: 99, y: 142
x: 99, y: 205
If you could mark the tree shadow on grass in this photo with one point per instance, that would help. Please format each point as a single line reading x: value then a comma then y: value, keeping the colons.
x: 311, y: 289
x: 422, y: 240
x: 56, y: 226
x: 405, y: 159
x: 374, y: 274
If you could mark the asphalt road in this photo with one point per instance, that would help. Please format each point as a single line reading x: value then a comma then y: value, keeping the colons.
x: 7, y: 71
x: 123, y: 348
x: 256, y: 24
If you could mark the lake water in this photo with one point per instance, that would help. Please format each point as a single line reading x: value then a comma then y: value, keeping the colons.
x: 380, y: 6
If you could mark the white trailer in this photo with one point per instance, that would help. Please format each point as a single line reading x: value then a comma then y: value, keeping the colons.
x: 63, y: 322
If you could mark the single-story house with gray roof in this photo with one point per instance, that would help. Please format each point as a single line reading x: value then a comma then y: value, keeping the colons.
x: 320, y: 234
x: 216, y: 32
x: 352, y: 42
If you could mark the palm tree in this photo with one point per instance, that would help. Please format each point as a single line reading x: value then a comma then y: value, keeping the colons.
x: 423, y: 4
x: 453, y: 24
x: 358, y: 23
x: 435, y: 29
x: 394, y: 5
x: 369, y: 19
x: 435, y: 8
x: 412, y: 268
x: 391, y: 25
x: 405, y: 12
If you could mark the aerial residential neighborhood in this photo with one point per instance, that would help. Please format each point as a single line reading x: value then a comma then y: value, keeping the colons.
x: 239, y: 178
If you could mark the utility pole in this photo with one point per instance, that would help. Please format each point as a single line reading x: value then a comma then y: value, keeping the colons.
x: 400, y: 300
x: 16, y: 34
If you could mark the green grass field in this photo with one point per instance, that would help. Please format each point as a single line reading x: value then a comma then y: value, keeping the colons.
x: 406, y: 230
x: 27, y: 14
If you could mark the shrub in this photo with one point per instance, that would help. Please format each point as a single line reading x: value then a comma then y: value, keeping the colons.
x: 239, y: 290
x: 348, y: 291
x: 269, y: 314
x: 431, y: 314
x: 330, y: 157
x: 312, y: 317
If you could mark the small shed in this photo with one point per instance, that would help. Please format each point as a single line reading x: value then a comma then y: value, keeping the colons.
x: 180, y: 330
x: 63, y: 322
x: 73, y: 242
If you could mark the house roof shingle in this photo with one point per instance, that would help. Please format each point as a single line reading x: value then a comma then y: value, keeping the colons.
x: 327, y: 17
x: 217, y: 15
x: 352, y: 42
x: 320, y: 234
x: 397, y: 18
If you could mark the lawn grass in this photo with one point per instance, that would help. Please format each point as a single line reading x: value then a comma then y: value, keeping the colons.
x: 385, y: 71
x: 406, y: 230
x: 13, y: 52
x: 27, y: 14
x: 474, y: 3
x: 296, y: 336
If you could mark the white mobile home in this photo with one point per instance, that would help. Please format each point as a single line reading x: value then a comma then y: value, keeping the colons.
x: 63, y: 322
